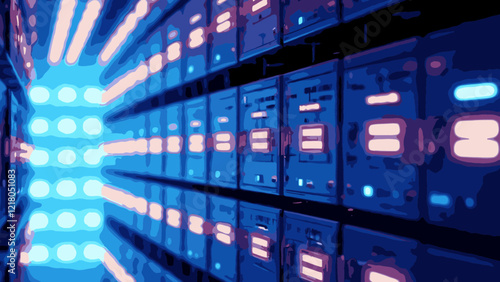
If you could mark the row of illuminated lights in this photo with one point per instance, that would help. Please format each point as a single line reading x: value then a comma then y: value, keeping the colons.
x: 69, y: 253
x: 90, y: 125
x: 93, y: 156
x: 65, y: 15
x: 67, y: 156
x: 66, y: 252
x: 154, y: 146
x: 435, y: 198
x: 223, y: 232
x: 40, y: 95
x: 313, y: 264
x: 65, y: 220
x: 385, y: 137
x: 40, y: 189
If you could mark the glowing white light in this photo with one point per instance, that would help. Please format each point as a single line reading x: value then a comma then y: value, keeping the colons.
x: 66, y: 220
x: 195, y: 224
x: 318, y: 276
x: 379, y: 277
x: 66, y: 188
x: 67, y: 95
x: 93, y: 252
x: 261, y: 114
x: 126, y: 82
x: 38, y: 253
x: 197, y: 143
x: 92, y: 219
x: 223, y: 232
x: 312, y: 132
x: 92, y: 126
x: 223, y: 27
x: 66, y: 157
x: 61, y: 30
x: 259, y: 5
x: 38, y: 221
x: 174, y: 218
x: 94, y: 156
x: 477, y: 139
x: 383, y: 99
x: 194, y: 19
x: 385, y: 136
x: 89, y: 17
x: 479, y: 91
x: 123, y: 31
x: 384, y: 129
x: 384, y: 145
x: 66, y: 252
x: 223, y: 137
x: 39, y: 95
x: 39, y: 157
x: 260, y: 134
x: 92, y: 188
x: 39, y: 189
x: 313, y: 107
x: 174, y: 51
x: 260, y: 242
x: 155, y: 211
x: 196, y: 38
x: 155, y: 63
x: 223, y: 17
x: 93, y: 95
x: 173, y: 144
x: 312, y: 260
x: 39, y: 126
x: 66, y: 126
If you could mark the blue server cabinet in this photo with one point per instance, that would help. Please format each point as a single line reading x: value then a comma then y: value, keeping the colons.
x: 224, y: 128
x: 375, y: 256
x: 224, y: 248
x: 147, y: 222
x: 196, y: 132
x: 194, y: 36
x: 463, y: 101
x: 352, y: 9
x: 114, y: 210
x: 156, y: 212
x: 174, y: 216
x: 380, y: 104
x: 139, y: 159
x: 260, y: 252
x: 260, y: 122
x: 136, y: 266
x: 175, y: 50
x: 174, y: 164
x: 125, y: 216
x: 196, y: 210
x: 309, y: 248
x: 446, y: 265
x: 224, y: 32
x: 157, y: 82
x: 156, y: 134
x: 141, y: 191
x: 132, y: 128
x: 310, y: 119
x: 260, y: 26
x: 305, y: 17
